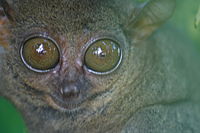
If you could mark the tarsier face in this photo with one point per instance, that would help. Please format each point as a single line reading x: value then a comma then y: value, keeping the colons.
x: 69, y: 59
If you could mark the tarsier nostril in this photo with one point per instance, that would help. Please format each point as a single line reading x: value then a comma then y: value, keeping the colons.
x: 70, y: 91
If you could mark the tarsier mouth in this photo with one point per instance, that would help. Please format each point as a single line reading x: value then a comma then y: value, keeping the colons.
x: 70, y: 103
x: 64, y: 106
x: 73, y: 103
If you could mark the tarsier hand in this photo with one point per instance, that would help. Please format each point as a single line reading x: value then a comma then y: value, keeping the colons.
x: 95, y: 66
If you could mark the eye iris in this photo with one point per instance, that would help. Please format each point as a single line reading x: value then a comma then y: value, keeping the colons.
x: 40, y: 53
x: 103, y: 55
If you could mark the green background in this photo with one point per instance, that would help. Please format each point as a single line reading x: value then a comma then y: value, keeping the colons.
x: 183, y: 19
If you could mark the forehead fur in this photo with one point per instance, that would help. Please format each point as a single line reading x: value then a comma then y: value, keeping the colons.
x: 71, y: 15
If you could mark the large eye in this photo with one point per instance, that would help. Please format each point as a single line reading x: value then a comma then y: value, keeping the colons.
x: 103, y: 56
x: 40, y: 54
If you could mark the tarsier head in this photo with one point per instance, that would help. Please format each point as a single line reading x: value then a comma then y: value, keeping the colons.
x: 73, y: 55
x: 75, y: 52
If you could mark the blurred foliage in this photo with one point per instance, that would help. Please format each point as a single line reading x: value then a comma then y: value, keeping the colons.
x: 197, y: 19
x: 10, y: 119
x: 183, y: 19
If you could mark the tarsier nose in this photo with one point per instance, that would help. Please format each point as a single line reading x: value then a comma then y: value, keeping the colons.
x: 70, y: 92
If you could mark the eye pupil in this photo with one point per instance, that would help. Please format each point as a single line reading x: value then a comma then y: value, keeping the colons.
x: 40, y: 54
x: 102, y: 56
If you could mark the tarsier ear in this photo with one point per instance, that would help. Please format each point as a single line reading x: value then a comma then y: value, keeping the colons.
x: 148, y: 18
x: 6, y: 16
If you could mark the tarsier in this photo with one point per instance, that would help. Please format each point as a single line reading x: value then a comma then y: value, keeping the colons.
x: 98, y: 66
